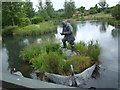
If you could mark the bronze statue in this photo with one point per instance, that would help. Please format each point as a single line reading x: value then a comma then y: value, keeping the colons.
x: 68, y: 35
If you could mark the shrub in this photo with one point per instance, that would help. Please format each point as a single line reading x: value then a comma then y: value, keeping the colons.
x: 115, y: 12
x: 36, y: 20
x: 8, y: 30
x: 25, y: 21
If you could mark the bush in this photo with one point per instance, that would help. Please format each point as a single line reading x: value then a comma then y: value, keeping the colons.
x: 8, y: 30
x: 25, y: 21
x: 36, y: 20
x: 115, y: 12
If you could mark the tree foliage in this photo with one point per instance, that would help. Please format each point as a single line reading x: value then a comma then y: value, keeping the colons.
x: 116, y: 12
x: 103, y: 4
x: 17, y: 13
x: 81, y: 9
x: 93, y: 10
x: 11, y: 13
x: 69, y: 8
x: 29, y: 10
x: 49, y: 8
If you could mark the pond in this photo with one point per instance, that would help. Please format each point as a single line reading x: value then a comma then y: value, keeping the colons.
x: 105, y: 34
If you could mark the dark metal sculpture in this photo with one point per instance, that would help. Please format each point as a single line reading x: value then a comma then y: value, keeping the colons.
x: 68, y: 35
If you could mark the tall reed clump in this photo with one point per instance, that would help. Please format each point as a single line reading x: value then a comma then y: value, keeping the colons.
x: 91, y: 49
x: 48, y: 57
x: 36, y: 29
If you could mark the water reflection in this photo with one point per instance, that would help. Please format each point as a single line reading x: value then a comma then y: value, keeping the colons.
x: 26, y: 42
x: 73, y: 24
x: 115, y: 32
x: 103, y: 27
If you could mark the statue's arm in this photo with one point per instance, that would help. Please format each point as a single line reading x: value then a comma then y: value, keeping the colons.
x: 67, y: 32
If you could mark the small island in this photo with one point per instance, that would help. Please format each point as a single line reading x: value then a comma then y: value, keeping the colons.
x: 49, y: 57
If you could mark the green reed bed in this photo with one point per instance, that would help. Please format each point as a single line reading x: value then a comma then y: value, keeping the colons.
x: 48, y: 57
x: 36, y: 29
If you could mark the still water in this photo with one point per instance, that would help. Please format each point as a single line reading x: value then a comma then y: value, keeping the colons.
x: 105, y: 34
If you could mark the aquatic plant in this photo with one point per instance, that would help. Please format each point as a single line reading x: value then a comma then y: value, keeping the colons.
x: 48, y: 57
x: 36, y: 29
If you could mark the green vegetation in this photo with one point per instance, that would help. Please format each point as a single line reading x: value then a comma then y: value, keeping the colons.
x: 8, y: 30
x: 103, y: 4
x: 69, y: 8
x: 114, y: 22
x: 23, y: 15
x: 98, y: 16
x: 48, y: 57
x: 115, y: 12
x: 36, y: 29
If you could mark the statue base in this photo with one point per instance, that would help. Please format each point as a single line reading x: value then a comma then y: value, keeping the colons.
x: 68, y: 52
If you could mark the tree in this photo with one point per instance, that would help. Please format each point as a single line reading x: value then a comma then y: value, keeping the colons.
x: 92, y: 10
x: 103, y: 4
x: 42, y: 13
x: 81, y: 9
x: 115, y: 12
x: 11, y: 13
x: 69, y: 8
x: 96, y: 6
x: 49, y: 8
x: 28, y: 9
x: 40, y: 7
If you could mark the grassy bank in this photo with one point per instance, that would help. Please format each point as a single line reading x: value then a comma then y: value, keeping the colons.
x: 34, y: 29
x: 114, y: 22
x: 48, y: 57
x: 98, y: 16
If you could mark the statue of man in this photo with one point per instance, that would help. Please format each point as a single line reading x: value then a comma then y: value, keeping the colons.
x: 68, y: 35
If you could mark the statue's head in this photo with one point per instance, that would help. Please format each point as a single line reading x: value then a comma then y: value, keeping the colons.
x: 64, y: 23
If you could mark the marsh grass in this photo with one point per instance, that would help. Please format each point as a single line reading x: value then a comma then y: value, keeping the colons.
x: 8, y: 30
x: 36, y: 29
x: 48, y: 57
